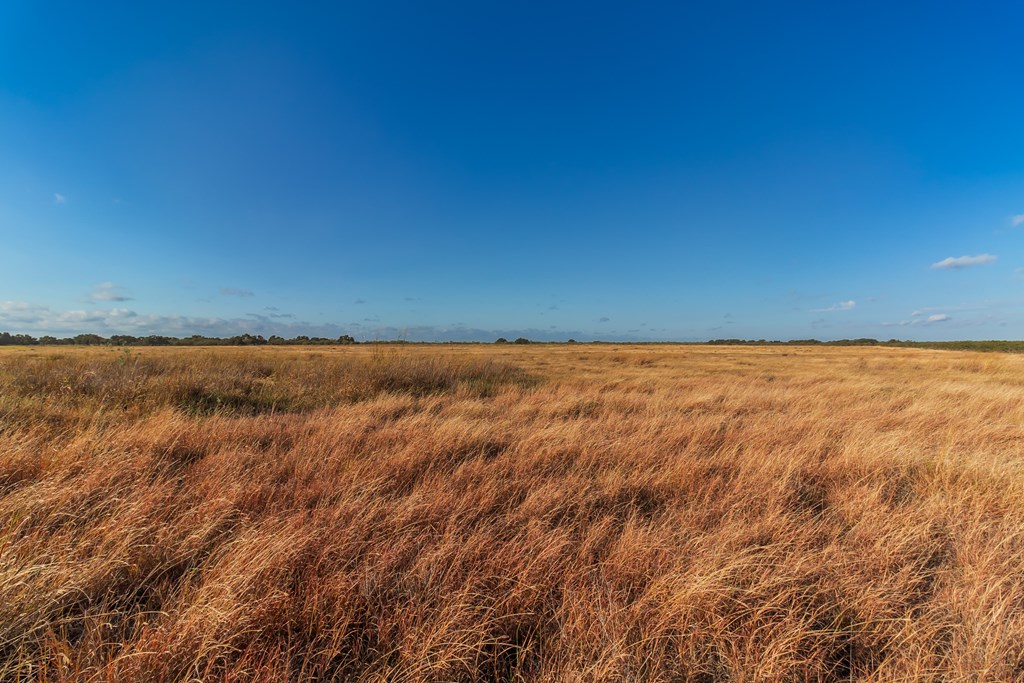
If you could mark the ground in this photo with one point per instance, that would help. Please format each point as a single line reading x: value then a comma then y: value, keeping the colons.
x: 500, y: 513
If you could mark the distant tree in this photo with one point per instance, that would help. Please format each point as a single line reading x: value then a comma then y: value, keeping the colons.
x: 88, y: 339
x: 501, y: 340
x: 346, y: 339
x: 8, y: 339
x: 247, y: 340
x: 123, y: 340
x: 157, y: 340
x: 521, y: 340
x: 863, y: 341
x: 196, y: 340
x: 571, y: 341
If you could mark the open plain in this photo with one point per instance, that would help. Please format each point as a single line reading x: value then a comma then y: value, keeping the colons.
x: 511, y: 512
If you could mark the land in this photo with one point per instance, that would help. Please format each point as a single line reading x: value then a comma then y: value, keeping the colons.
x: 511, y: 513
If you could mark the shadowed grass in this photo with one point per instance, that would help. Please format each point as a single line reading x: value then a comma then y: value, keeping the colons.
x: 236, y: 382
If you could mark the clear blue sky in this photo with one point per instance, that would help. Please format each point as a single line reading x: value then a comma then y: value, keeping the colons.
x: 460, y: 170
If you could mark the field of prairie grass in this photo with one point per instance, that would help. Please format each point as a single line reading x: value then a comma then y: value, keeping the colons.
x: 511, y: 513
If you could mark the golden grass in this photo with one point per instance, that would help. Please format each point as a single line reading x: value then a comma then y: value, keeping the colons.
x: 572, y: 513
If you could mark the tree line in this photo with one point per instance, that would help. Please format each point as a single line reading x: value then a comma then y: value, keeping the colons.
x: 8, y: 339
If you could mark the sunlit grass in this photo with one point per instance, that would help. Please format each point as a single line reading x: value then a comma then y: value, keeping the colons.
x: 511, y: 513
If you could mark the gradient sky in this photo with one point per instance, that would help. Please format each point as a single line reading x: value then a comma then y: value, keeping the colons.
x: 463, y: 170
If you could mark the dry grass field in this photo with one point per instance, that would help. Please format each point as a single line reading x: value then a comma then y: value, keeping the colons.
x: 516, y: 513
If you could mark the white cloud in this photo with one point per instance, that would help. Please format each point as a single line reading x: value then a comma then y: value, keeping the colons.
x: 841, y: 306
x: 917, y: 320
x: 21, y: 312
x: 1017, y: 220
x: 108, y: 291
x: 59, y: 198
x: 951, y: 263
x: 36, y: 319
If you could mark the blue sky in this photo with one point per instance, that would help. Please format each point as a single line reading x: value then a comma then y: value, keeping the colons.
x: 463, y: 170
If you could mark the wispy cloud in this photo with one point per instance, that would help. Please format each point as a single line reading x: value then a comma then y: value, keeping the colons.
x: 58, y: 198
x: 231, y: 291
x: 37, y: 319
x: 973, y: 306
x: 918, y: 319
x: 603, y: 319
x: 31, y: 317
x: 1017, y: 220
x: 108, y: 291
x: 841, y: 306
x: 951, y: 263
x: 271, y: 317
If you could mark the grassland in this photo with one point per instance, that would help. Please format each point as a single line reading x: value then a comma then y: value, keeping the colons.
x: 571, y: 513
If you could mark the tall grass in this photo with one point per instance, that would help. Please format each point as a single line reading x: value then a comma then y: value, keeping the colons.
x: 235, y: 382
x: 523, y: 513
